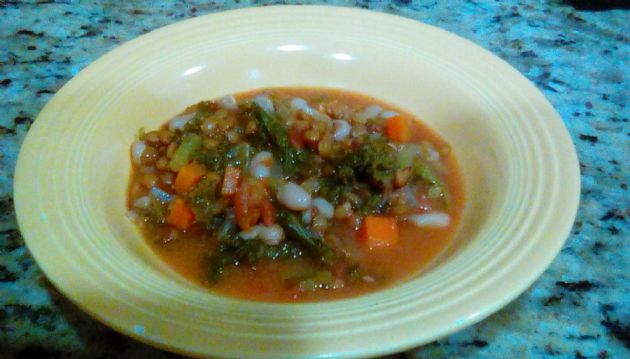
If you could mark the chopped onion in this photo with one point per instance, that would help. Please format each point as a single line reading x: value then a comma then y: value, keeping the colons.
x: 299, y: 104
x: 368, y: 279
x: 228, y: 102
x: 410, y: 196
x: 342, y: 130
x: 132, y: 215
x: 388, y: 114
x: 142, y: 202
x: 433, y: 155
x: 137, y: 149
x: 265, y: 103
x: 432, y: 219
x: 178, y: 122
x: 367, y: 113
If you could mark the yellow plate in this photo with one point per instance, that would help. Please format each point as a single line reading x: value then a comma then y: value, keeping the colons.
x: 520, y: 167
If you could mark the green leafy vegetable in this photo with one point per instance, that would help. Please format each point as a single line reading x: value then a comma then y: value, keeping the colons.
x: 239, y: 155
x: 311, y: 240
x: 330, y: 188
x: 214, y: 160
x: 407, y: 155
x: 290, y: 157
x: 218, y: 262
x: 203, y: 200
x: 375, y: 204
x: 254, y: 251
x: 425, y: 173
x: 437, y: 189
x: 373, y: 160
x: 156, y: 211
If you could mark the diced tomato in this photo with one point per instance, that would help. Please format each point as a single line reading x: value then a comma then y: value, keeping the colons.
x: 268, y: 212
x: 297, y: 139
x: 247, y: 202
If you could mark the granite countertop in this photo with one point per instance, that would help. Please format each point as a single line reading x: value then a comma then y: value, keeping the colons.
x: 580, y: 307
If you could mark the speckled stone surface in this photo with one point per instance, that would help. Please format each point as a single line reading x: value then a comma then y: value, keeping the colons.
x: 580, y: 307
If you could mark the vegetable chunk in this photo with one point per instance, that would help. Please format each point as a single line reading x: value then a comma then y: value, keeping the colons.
x: 188, y: 176
x: 181, y: 217
x: 378, y: 232
x: 397, y: 128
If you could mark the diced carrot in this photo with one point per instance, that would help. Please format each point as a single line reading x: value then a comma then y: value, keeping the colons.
x: 397, y: 128
x: 231, y: 180
x: 181, y: 217
x: 188, y: 176
x: 268, y: 212
x: 296, y: 138
x: 378, y: 231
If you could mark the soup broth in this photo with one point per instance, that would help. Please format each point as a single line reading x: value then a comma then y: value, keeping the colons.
x: 295, y: 194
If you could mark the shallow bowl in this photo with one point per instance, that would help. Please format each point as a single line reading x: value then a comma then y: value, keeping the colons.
x: 519, y: 166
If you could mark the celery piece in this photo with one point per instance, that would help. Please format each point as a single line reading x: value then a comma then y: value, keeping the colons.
x: 190, y: 144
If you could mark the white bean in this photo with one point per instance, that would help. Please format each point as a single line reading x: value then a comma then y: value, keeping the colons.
x: 251, y: 233
x: 342, y: 130
x: 271, y: 235
x: 324, y: 207
x: 178, y: 122
x: 260, y: 167
x: 228, y: 102
x: 264, y: 102
x: 388, y: 114
x: 294, y: 197
x: 137, y: 149
x: 142, y: 202
x: 299, y: 104
x: 432, y: 219
x: 367, y: 113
